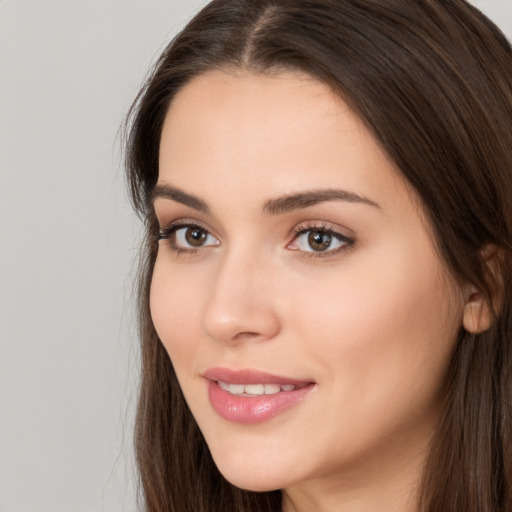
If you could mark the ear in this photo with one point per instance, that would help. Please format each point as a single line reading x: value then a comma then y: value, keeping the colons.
x: 479, y: 311
x: 477, y: 315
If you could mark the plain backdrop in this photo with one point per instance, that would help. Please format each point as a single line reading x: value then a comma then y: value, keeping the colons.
x: 68, y: 355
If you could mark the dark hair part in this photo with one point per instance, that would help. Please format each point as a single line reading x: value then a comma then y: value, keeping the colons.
x: 432, y: 80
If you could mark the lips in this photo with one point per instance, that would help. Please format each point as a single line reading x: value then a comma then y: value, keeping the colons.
x: 250, y: 396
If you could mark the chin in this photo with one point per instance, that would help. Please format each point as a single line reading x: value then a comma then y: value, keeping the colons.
x: 252, y: 482
x: 252, y: 474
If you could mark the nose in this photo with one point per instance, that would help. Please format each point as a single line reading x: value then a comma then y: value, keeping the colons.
x: 242, y: 301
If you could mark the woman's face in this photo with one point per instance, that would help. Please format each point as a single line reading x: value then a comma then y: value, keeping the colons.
x: 297, y: 289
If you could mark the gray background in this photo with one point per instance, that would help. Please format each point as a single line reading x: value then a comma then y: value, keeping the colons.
x: 68, y: 356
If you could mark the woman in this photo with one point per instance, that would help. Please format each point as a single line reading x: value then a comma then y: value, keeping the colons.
x: 326, y: 286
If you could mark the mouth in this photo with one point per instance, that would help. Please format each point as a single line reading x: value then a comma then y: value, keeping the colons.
x: 249, y: 390
x: 250, y: 396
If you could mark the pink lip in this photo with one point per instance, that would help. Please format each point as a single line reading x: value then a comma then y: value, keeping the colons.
x: 252, y: 409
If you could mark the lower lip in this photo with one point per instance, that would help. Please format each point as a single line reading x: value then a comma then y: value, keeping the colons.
x: 253, y: 409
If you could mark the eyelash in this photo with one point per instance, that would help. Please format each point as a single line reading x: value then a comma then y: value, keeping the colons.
x: 302, y: 229
x: 168, y: 233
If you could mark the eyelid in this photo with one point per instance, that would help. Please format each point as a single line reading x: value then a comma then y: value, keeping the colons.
x: 333, y: 229
x: 322, y: 225
x: 183, y: 222
x: 168, y: 231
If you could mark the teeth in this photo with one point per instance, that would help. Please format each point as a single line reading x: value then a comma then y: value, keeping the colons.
x: 255, y: 389
x: 236, y: 389
x: 223, y: 385
x: 271, y: 389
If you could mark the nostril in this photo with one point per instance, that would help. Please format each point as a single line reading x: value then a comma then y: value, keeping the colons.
x: 247, y: 335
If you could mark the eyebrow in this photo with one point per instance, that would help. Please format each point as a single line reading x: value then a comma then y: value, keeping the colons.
x: 311, y: 197
x: 175, y: 194
x: 275, y: 206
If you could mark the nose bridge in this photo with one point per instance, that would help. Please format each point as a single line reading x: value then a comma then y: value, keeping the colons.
x: 240, y: 304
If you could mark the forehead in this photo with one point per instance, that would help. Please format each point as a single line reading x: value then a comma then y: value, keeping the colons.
x: 218, y: 100
x: 275, y: 134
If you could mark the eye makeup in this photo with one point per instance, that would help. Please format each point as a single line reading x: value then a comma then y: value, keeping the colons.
x: 311, y: 239
x: 319, y: 240
x: 186, y: 236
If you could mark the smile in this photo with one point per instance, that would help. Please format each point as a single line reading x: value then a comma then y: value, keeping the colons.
x: 255, y: 389
x: 250, y: 396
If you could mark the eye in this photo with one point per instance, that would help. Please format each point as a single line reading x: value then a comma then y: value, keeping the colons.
x: 193, y: 237
x: 317, y: 239
x: 187, y: 237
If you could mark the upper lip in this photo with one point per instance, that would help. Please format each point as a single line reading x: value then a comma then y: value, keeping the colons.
x: 249, y: 376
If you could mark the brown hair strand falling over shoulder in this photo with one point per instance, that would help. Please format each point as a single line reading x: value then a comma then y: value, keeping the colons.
x: 432, y: 80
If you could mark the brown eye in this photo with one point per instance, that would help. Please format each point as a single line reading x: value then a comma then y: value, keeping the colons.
x: 195, y: 237
x: 189, y: 237
x: 319, y: 240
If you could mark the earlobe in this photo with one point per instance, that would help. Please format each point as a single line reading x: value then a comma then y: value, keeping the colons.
x: 477, y: 316
x: 480, y: 311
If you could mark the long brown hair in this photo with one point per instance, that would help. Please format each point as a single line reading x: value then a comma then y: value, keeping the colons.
x: 432, y: 80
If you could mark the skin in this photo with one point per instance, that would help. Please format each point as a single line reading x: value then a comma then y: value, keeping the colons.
x: 373, y: 323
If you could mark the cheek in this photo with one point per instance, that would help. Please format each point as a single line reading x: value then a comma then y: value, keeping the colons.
x: 382, y: 329
x: 175, y: 306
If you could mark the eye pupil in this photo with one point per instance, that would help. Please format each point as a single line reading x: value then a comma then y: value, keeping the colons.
x: 195, y: 237
x: 319, y: 240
